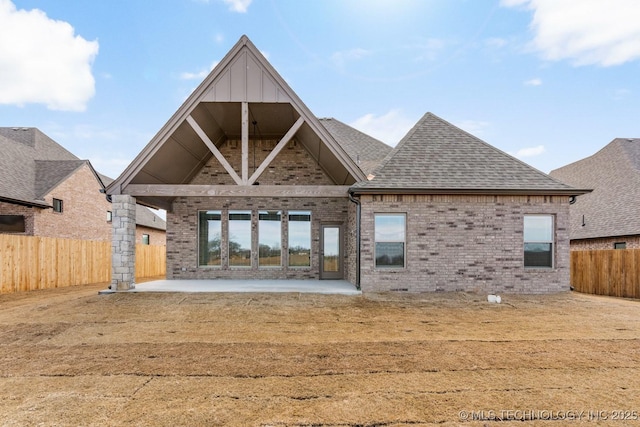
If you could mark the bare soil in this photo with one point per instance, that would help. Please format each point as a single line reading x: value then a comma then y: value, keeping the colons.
x: 73, y: 357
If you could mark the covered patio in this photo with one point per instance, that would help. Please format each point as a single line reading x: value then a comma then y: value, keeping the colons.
x: 336, y: 287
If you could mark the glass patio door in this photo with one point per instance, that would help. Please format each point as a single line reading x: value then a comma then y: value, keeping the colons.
x: 331, y: 252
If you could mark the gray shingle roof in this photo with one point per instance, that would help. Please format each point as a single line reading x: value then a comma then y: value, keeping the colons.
x: 365, y: 150
x: 613, y: 208
x: 32, y: 164
x: 436, y: 156
x: 21, y: 179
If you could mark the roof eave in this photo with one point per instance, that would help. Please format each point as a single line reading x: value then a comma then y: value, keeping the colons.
x: 471, y: 191
x: 34, y: 203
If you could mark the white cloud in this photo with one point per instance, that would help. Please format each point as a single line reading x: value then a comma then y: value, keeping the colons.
x: 198, y: 75
x: 474, y: 127
x: 42, y: 61
x: 529, y: 152
x: 429, y: 49
x: 389, y: 128
x: 240, y: 6
x: 495, y: 42
x: 342, y: 57
x: 586, y: 32
x: 533, y: 82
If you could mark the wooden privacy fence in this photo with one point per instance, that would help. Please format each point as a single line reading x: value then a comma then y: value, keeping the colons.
x: 29, y: 263
x: 614, y: 272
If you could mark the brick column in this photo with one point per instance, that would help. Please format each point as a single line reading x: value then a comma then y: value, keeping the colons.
x: 123, y: 243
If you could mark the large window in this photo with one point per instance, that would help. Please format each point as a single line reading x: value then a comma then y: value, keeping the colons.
x: 390, y: 240
x: 538, y: 241
x: 240, y: 238
x: 270, y: 240
x: 12, y: 223
x: 210, y: 229
x: 299, y: 239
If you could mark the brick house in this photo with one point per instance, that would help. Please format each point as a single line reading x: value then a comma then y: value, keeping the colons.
x: 255, y: 186
x: 47, y: 191
x: 608, y: 217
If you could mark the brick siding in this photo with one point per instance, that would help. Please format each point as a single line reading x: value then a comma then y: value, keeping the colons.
x: 466, y: 243
x: 84, y: 213
x: 156, y: 237
x: 633, y: 242
x: 26, y: 211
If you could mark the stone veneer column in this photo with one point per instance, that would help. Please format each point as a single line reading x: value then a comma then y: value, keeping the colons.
x: 123, y: 243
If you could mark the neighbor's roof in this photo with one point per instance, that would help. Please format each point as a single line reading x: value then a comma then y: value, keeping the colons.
x: 613, y: 208
x: 365, y: 150
x: 437, y: 157
x: 32, y: 164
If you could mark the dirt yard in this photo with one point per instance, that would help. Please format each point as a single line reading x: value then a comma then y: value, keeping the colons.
x: 72, y: 357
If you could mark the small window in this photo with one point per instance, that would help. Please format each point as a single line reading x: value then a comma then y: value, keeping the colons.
x: 390, y: 232
x: 57, y: 205
x: 12, y: 223
x: 300, y: 239
x: 145, y: 239
x: 109, y: 216
x: 538, y: 241
x: 620, y: 245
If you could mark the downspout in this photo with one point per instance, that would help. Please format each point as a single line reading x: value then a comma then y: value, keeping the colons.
x: 357, y: 202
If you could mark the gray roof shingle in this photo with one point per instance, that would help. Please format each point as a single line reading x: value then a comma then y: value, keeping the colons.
x: 613, y: 208
x: 365, y: 150
x: 436, y: 156
x: 32, y: 164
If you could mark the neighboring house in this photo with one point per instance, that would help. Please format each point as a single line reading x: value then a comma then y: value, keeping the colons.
x: 609, y: 217
x: 47, y: 191
x: 256, y: 187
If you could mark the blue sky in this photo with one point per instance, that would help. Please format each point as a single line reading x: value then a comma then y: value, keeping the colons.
x: 550, y: 81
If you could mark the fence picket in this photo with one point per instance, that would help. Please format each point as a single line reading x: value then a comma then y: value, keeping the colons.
x: 613, y: 272
x: 29, y: 263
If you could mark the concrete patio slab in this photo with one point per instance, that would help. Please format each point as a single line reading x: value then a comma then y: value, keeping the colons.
x: 341, y: 287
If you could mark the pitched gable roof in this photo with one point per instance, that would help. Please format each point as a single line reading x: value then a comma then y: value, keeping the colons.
x: 437, y: 157
x: 365, y: 150
x: 24, y: 178
x: 176, y: 153
x: 613, y: 208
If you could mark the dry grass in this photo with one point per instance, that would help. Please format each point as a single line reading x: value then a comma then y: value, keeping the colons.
x: 71, y: 357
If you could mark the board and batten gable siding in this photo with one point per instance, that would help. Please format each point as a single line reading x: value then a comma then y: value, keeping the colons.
x: 465, y: 243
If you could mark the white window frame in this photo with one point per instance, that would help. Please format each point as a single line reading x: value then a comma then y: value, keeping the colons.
x: 552, y: 242
x: 376, y: 241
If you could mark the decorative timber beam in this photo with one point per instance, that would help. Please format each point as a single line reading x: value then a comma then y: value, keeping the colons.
x: 281, y: 144
x: 225, y: 164
x: 245, y: 143
x: 192, y: 190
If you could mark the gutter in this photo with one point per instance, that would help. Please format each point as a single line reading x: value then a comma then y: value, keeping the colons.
x: 471, y: 191
x: 357, y: 203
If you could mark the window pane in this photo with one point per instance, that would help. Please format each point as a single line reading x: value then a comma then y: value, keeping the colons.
x: 299, y: 239
x: 240, y: 238
x: 269, y: 241
x: 538, y: 228
x: 389, y: 228
x: 331, y: 249
x: 210, y: 233
x: 538, y: 255
x: 389, y: 254
x: 12, y: 223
